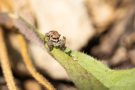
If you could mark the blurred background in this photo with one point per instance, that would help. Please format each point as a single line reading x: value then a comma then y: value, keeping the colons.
x: 104, y: 29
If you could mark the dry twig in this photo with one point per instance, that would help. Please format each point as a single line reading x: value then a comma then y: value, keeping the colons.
x: 29, y: 65
x: 4, y: 59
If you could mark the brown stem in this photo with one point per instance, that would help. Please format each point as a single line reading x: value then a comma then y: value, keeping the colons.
x: 29, y: 65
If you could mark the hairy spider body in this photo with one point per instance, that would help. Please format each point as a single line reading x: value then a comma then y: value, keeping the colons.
x: 56, y: 40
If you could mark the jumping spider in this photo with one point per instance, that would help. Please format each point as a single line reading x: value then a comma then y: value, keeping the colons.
x: 55, y: 40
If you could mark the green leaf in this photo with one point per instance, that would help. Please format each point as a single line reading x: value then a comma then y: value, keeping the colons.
x: 90, y: 74
x: 80, y: 76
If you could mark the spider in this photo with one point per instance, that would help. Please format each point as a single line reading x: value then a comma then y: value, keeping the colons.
x: 56, y: 40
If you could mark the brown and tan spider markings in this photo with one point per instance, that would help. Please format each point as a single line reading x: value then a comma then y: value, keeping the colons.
x: 56, y: 40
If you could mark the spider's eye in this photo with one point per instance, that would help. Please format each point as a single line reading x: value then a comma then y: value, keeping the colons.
x: 53, y: 34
